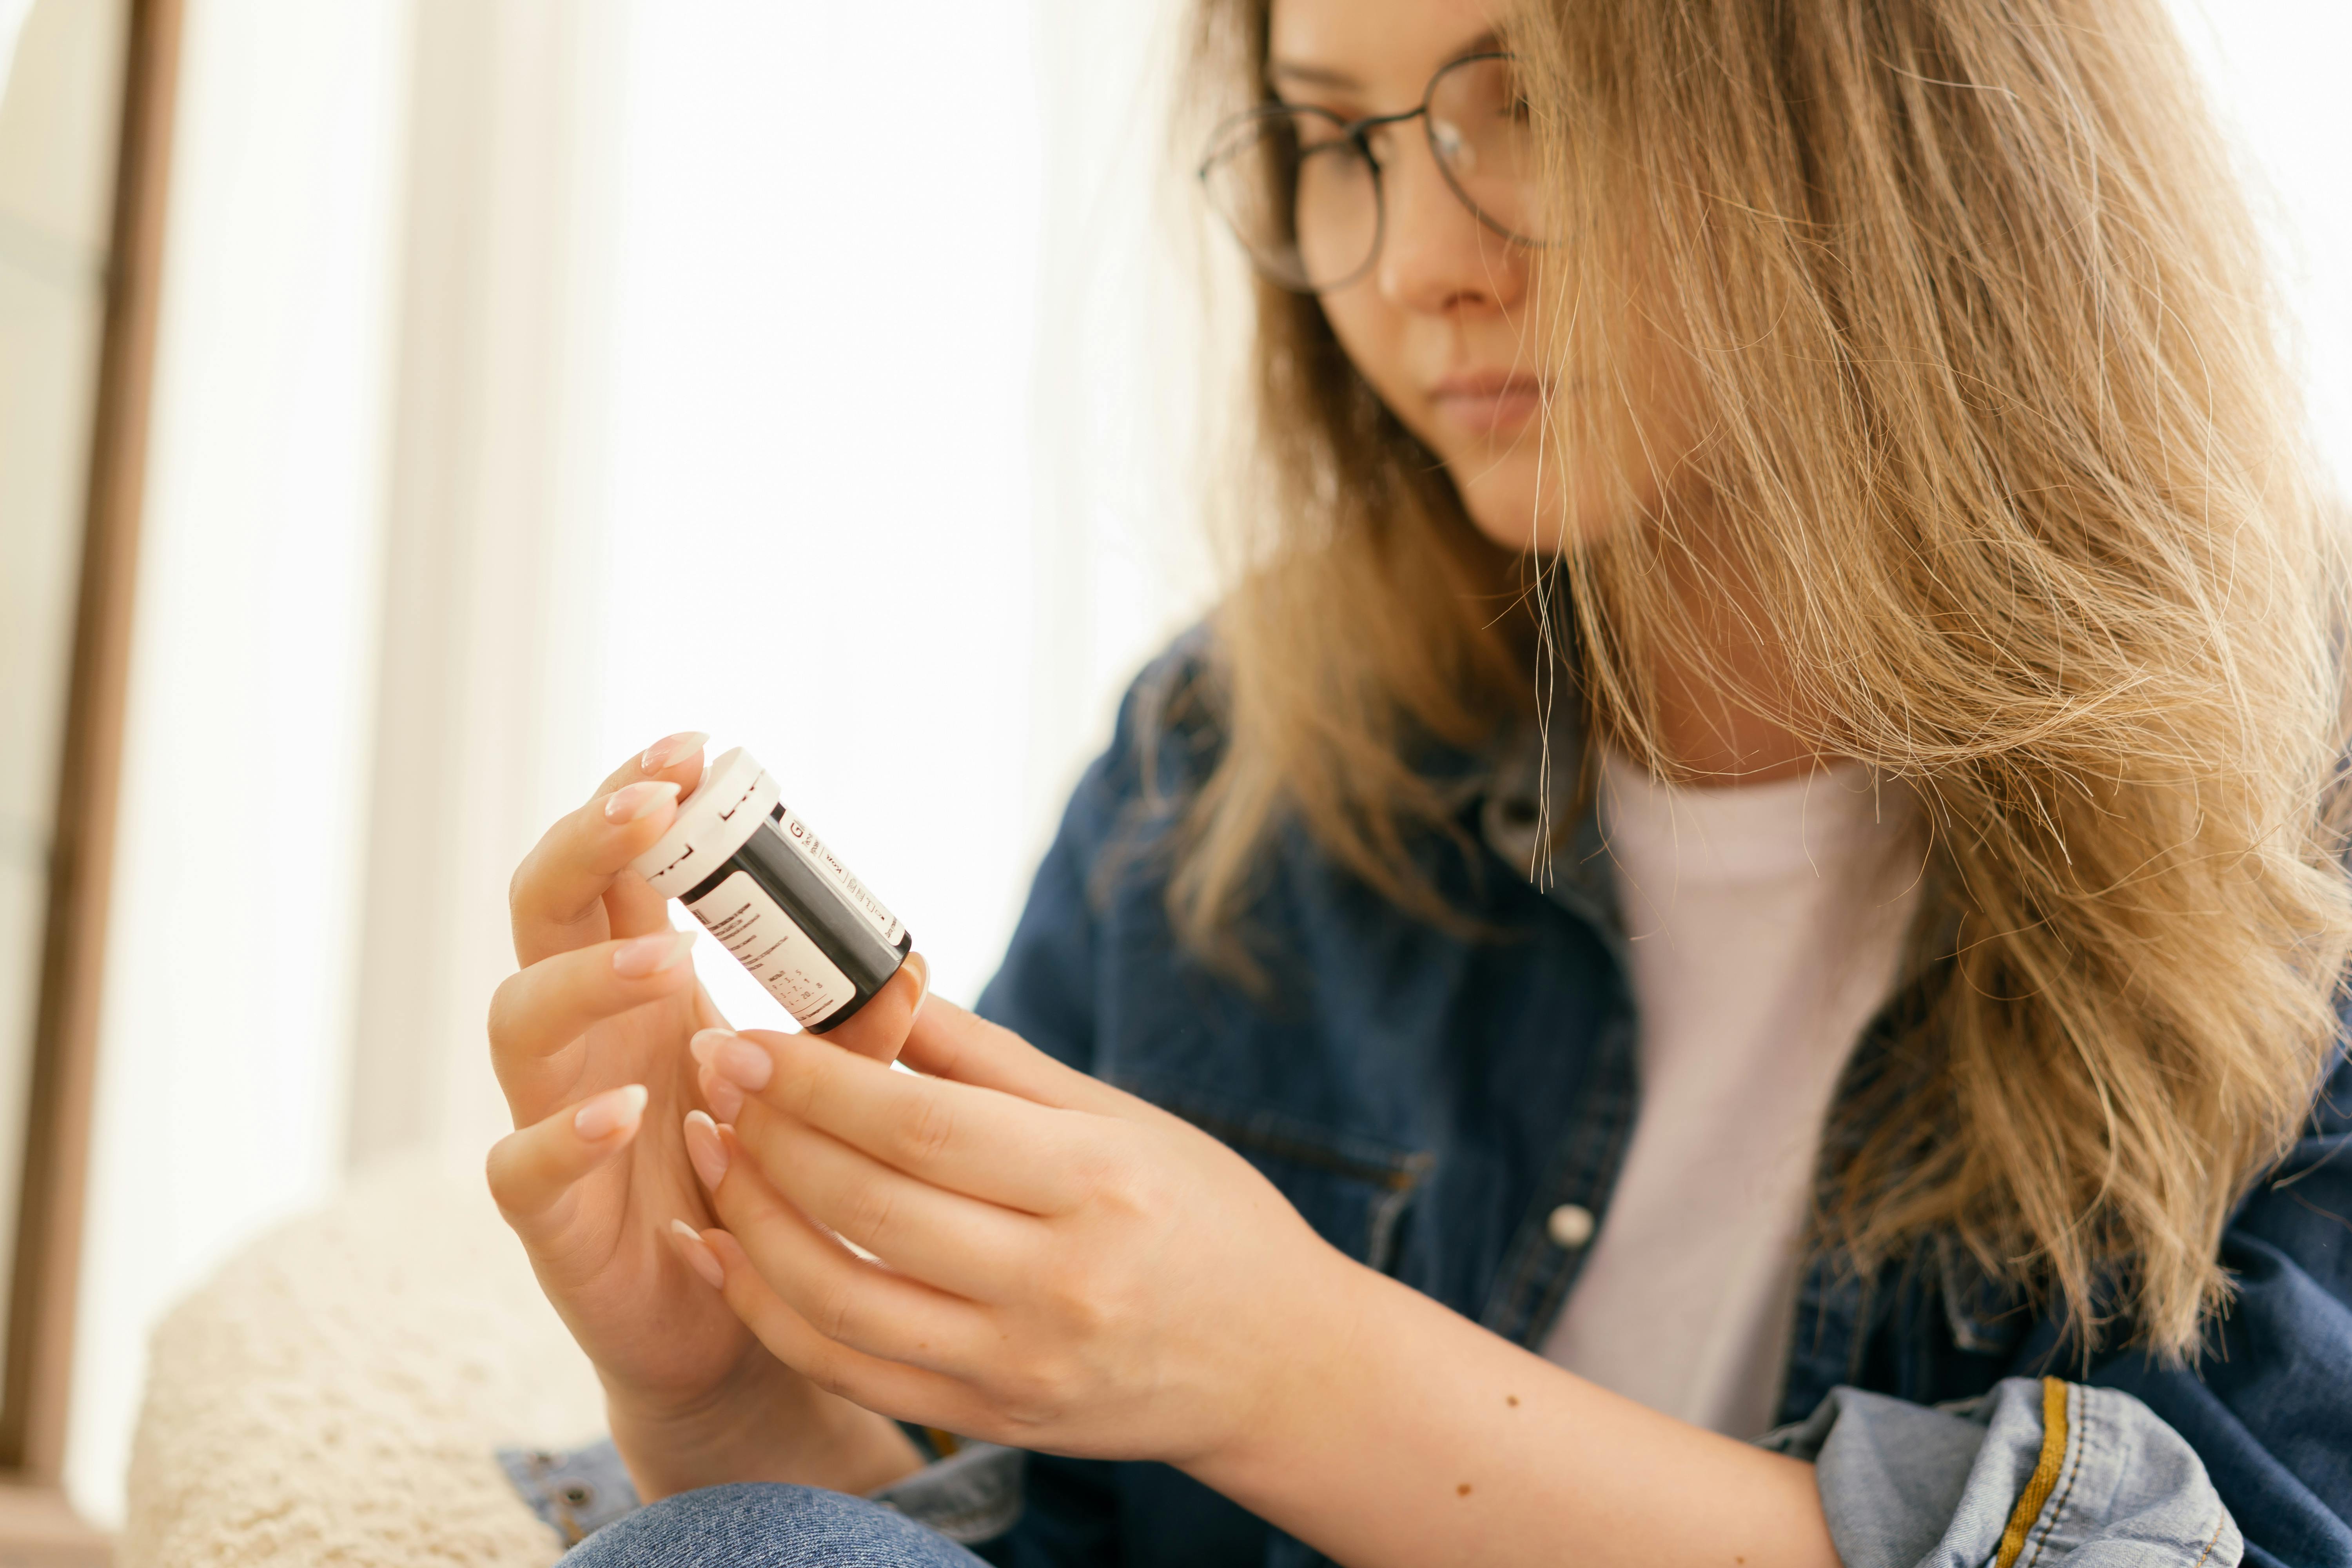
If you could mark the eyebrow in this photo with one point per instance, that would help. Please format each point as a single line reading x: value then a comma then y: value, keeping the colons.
x: 1323, y: 76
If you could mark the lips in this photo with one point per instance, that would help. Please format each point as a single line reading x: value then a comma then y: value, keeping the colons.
x: 1488, y: 401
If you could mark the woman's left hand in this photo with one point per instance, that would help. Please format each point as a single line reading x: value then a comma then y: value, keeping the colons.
x: 1057, y: 1265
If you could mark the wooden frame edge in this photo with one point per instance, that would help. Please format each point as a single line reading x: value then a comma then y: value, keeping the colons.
x: 39, y: 1356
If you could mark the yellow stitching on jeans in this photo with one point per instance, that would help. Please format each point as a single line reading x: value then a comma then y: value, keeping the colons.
x: 2073, y: 1474
x: 2045, y: 1474
x: 2223, y: 1520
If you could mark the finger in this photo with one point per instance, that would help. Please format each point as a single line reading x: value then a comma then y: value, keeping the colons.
x: 707, y: 1014
x: 532, y: 1170
x: 852, y: 1303
x: 678, y: 757
x: 947, y: 1042
x: 725, y: 1101
x: 538, y: 1011
x: 556, y: 900
x: 880, y: 1027
x: 958, y: 1244
x: 985, y: 1145
x: 890, y: 1388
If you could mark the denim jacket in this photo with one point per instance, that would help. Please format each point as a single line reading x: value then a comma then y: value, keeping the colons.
x: 1431, y: 1102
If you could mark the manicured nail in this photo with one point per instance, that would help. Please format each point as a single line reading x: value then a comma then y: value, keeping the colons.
x: 703, y: 1148
x: 634, y: 802
x: 923, y: 968
x: 609, y: 1112
x: 704, y: 1042
x: 740, y: 1063
x: 698, y: 1256
x: 726, y: 1101
x: 671, y: 750
x: 644, y: 955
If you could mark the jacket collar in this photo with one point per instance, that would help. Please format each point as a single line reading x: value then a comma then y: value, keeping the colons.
x: 1535, y: 815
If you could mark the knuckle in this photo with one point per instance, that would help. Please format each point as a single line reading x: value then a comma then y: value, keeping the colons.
x: 1077, y: 1299
x: 1038, y: 1394
x: 835, y: 1313
x: 1099, y: 1169
x: 872, y: 1209
x: 830, y: 1372
x: 525, y: 871
x: 506, y: 1008
x: 928, y: 1131
x: 797, y: 1094
x: 501, y: 1173
x: 1115, y: 1183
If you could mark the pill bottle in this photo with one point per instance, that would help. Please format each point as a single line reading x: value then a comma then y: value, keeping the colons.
x: 775, y: 896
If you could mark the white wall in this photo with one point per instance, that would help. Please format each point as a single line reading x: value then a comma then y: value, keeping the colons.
x: 873, y: 513
x: 2277, y: 72
x: 226, y: 1008
x: 823, y: 308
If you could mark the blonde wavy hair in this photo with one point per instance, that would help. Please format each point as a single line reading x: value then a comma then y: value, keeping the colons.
x: 1996, y: 452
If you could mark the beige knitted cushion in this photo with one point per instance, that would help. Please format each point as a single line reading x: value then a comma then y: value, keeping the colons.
x: 335, y: 1393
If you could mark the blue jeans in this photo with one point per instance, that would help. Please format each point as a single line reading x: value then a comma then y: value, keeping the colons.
x: 764, y: 1525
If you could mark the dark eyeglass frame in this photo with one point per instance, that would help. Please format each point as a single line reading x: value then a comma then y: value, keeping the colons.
x: 1358, y: 132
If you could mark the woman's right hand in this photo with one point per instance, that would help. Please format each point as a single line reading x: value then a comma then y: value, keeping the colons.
x: 590, y: 1042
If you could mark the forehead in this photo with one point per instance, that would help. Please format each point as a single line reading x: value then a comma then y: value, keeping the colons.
x: 1387, y: 47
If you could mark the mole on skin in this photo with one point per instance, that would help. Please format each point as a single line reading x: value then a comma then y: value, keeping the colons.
x: 1461, y: 1490
x: 1512, y: 1400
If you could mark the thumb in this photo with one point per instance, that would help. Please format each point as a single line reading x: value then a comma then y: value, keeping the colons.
x: 948, y: 1042
x: 880, y: 1027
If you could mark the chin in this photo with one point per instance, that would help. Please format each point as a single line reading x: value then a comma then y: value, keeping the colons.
x: 1507, y: 508
x: 1521, y: 505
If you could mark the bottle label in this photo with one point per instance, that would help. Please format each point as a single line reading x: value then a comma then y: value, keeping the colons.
x: 854, y: 892
x: 771, y: 946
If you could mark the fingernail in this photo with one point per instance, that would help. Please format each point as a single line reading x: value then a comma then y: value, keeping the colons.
x: 740, y: 1063
x: 726, y: 1101
x: 704, y: 1042
x: 699, y: 1256
x: 672, y: 749
x: 610, y: 1112
x: 703, y: 1147
x: 634, y: 802
x: 644, y: 955
x: 923, y: 968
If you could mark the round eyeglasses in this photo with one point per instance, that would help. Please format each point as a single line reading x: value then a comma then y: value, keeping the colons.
x: 1300, y: 187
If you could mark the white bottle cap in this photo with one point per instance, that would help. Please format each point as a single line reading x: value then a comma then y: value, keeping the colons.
x: 724, y: 809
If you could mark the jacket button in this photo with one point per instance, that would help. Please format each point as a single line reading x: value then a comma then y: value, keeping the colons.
x: 1570, y: 1226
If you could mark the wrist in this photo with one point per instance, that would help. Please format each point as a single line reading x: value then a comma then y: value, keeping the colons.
x: 763, y: 1423
x: 1313, y: 1352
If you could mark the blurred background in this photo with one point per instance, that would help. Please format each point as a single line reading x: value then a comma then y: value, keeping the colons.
x: 532, y: 378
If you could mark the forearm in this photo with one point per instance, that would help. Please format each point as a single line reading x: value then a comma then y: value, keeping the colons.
x: 763, y: 1429
x: 1410, y: 1436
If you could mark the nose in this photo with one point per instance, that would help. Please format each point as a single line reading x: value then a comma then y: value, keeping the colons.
x: 1436, y: 257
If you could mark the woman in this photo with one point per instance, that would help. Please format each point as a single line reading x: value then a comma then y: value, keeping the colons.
x: 1749, y: 852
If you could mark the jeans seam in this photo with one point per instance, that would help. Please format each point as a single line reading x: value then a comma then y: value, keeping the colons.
x: 2079, y: 1439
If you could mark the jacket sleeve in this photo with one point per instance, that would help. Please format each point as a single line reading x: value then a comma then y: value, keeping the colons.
x: 2036, y: 1473
x: 2245, y: 1456
x: 2269, y: 1406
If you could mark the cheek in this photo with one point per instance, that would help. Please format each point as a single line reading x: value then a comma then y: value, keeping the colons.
x: 1372, y: 334
x: 1515, y: 494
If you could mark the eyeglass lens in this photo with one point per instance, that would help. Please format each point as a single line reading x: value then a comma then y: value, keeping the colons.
x: 1303, y: 195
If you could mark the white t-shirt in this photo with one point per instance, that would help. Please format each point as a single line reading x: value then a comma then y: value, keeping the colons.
x: 1766, y: 924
